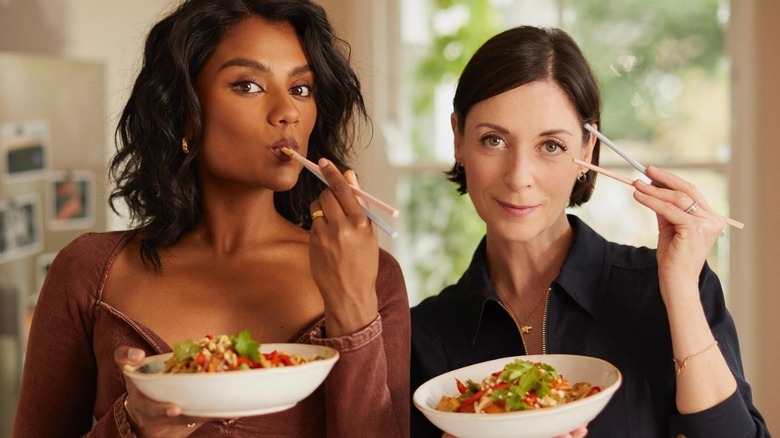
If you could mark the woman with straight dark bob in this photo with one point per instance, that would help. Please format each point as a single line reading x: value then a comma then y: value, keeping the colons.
x: 230, y: 235
x: 542, y: 281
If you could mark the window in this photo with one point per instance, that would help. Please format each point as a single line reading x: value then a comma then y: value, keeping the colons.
x: 664, y: 76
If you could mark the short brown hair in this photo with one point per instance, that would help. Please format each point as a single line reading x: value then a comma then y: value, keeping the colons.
x: 522, y: 55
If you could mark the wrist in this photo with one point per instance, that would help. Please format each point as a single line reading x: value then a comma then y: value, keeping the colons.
x: 135, y: 426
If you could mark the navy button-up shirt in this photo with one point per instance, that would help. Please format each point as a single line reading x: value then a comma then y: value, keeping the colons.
x: 604, y: 303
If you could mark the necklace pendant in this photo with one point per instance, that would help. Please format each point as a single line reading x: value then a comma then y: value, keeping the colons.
x: 525, y: 329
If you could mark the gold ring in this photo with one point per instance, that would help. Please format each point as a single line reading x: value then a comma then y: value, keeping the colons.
x: 190, y: 424
x: 317, y: 214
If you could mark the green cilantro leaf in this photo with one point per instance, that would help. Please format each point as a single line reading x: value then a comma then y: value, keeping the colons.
x: 246, y: 346
x: 185, y: 350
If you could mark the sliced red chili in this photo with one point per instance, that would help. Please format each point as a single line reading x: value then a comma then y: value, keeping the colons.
x: 461, y: 386
x: 497, y: 386
x: 471, y: 400
x: 285, y: 359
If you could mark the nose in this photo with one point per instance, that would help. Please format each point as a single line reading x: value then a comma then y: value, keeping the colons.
x: 519, y: 171
x: 283, y: 111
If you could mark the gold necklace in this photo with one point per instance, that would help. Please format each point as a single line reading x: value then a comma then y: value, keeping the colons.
x: 525, y: 328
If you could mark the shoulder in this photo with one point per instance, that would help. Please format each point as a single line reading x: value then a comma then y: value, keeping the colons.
x: 77, y: 272
x: 590, y: 248
x: 92, y: 247
x: 632, y: 257
x: 462, y: 299
x: 389, y: 269
x: 390, y: 284
x: 436, y: 313
x: 87, y: 258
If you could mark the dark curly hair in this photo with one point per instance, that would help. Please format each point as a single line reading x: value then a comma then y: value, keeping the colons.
x: 526, y: 54
x: 159, y: 182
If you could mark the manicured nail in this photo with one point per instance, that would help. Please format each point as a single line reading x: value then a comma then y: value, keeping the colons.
x: 135, y: 354
x: 173, y: 411
x: 323, y: 162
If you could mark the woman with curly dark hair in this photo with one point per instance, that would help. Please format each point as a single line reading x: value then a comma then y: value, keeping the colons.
x: 230, y: 235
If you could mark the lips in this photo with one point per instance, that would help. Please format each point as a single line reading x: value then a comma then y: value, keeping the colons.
x: 517, y: 210
x: 276, y: 148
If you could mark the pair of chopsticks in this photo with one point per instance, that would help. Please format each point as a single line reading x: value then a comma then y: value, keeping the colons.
x: 313, y: 168
x: 638, y: 166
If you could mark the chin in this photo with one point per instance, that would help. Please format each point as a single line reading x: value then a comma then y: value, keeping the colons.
x: 282, y: 187
x: 284, y: 181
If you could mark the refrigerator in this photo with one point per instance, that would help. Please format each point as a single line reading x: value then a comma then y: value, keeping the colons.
x: 53, y: 172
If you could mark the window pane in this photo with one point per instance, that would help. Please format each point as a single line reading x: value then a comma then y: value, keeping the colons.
x: 440, y: 232
x: 664, y: 75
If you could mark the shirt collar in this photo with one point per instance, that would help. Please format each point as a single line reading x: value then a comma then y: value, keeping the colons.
x: 583, y: 276
x: 584, y: 272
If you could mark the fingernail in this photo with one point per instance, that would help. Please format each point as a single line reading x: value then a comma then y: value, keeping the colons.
x: 135, y: 354
x: 323, y: 162
x: 173, y: 411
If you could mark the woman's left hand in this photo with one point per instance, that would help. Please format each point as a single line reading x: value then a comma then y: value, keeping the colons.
x: 344, y: 255
x: 687, y: 226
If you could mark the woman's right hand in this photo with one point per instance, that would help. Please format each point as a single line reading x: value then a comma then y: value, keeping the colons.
x: 344, y: 255
x: 147, y: 417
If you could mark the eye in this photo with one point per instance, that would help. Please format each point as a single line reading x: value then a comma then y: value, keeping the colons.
x: 246, y: 87
x: 492, y: 141
x: 553, y: 147
x: 301, y: 90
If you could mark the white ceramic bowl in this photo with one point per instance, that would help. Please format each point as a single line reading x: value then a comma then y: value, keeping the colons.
x: 236, y: 393
x: 537, y: 423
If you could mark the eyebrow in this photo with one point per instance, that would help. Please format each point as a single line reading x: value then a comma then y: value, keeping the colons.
x: 261, y: 66
x: 506, y: 131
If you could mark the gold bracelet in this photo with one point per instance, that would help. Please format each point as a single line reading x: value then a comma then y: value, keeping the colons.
x: 133, y: 422
x: 681, y: 365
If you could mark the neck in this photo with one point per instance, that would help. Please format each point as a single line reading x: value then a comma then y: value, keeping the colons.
x: 234, y: 222
x: 526, y: 269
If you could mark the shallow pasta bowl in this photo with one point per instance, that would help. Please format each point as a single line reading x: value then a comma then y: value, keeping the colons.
x: 536, y: 423
x: 236, y: 393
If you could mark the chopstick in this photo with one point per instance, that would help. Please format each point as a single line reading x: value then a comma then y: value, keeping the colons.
x: 606, y: 172
x: 625, y: 180
x: 619, y: 151
x: 365, y: 195
x: 313, y: 168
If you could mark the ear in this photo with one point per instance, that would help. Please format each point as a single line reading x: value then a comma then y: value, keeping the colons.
x: 587, y: 148
x: 457, y: 137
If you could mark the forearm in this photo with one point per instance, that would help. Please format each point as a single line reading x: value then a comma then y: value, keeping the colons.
x: 703, y: 375
x: 358, y: 393
x: 350, y: 314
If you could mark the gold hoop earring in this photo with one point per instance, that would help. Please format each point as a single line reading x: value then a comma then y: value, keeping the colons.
x: 184, y: 146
